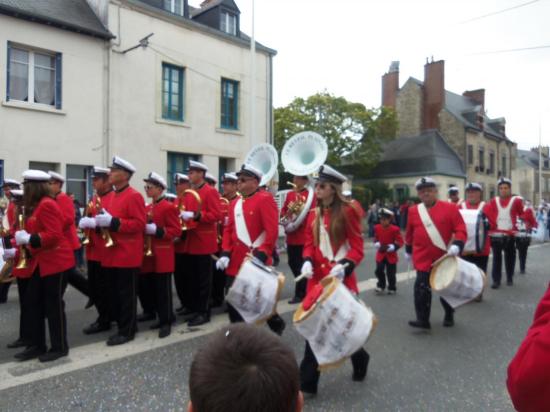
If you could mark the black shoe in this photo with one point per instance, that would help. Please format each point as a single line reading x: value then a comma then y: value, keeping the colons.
x: 360, y: 373
x: 277, y: 324
x: 495, y: 285
x: 155, y: 325
x: 180, y: 310
x: 52, y: 355
x: 96, y: 327
x: 448, y: 321
x: 199, y: 319
x: 510, y: 282
x: 118, y: 340
x: 164, y: 331
x: 16, y: 344
x: 30, y: 353
x: 89, y: 304
x: 522, y: 272
x: 308, y: 395
x: 419, y: 324
x: 144, y: 317
x: 189, y: 316
x: 295, y: 300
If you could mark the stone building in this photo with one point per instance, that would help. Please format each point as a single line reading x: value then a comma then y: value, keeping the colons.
x: 526, y: 174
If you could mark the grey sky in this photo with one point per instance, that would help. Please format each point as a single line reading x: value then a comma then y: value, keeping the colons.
x: 345, y: 46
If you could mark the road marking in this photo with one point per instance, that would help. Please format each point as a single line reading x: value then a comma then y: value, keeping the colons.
x: 20, y: 373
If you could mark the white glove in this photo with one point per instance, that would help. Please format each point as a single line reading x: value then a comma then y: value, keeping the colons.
x: 377, y: 245
x: 87, y: 223
x: 454, y: 250
x: 338, y: 271
x: 408, y: 257
x: 307, y: 269
x: 391, y: 248
x: 22, y: 237
x: 103, y: 219
x: 222, y: 262
x: 187, y: 215
x: 9, y: 253
x: 150, y: 229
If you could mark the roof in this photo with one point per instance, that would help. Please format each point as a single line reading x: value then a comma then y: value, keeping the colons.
x: 211, y: 4
x: 531, y: 158
x: 72, y: 15
x: 425, y: 154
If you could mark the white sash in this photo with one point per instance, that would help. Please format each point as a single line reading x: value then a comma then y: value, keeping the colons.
x: 242, y: 230
x: 479, y: 207
x: 293, y: 226
x: 504, y: 219
x: 429, y: 225
x: 326, y: 248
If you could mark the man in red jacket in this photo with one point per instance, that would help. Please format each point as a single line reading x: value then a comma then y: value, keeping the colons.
x: 201, y: 242
x: 526, y: 223
x: 387, y: 240
x: 431, y: 226
x: 124, y: 218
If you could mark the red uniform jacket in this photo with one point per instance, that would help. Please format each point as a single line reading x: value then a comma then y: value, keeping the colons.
x: 128, y: 210
x: 260, y: 214
x: 528, y: 382
x: 66, y: 205
x: 358, y: 208
x: 298, y: 237
x: 390, y: 235
x: 321, y: 264
x: 186, y: 202
x: 448, y: 222
x: 49, y: 247
x: 166, y: 217
x: 515, y: 211
x: 203, y: 240
x: 487, y: 211
x: 96, y: 248
x: 529, y: 219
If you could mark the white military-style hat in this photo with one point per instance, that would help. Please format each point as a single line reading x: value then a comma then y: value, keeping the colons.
x: 385, y: 212
x: 170, y: 196
x: 504, y: 180
x: 210, y: 178
x: 454, y: 189
x: 329, y: 174
x: 11, y: 183
x: 100, y: 171
x: 193, y: 164
x: 156, y: 179
x: 16, y: 193
x: 178, y: 177
x: 229, y: 177
x: 56, y: 176
x: 33, y: 175
x: 120, y: 163
x: 424, y: 182
x: 346, y: 193
x: 473, y: 186
x: 249, y: 170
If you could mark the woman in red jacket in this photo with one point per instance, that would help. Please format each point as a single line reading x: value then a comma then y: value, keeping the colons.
x: 43, y: 239
x: 334, y: 247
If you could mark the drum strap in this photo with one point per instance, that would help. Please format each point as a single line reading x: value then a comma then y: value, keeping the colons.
x: 326, y: 248
x: 430, y: 227
x: 293, y: 226
x: 242, y: 231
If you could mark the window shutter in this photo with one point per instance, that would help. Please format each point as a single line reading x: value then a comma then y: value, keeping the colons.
x: 58, y: 83
x: 8, y: 74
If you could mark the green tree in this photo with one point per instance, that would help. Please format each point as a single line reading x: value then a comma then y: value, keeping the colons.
x: 354, y: 133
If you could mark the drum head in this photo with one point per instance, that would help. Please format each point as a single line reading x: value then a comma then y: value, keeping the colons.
x: 329, y: 285
x: 443, y: 273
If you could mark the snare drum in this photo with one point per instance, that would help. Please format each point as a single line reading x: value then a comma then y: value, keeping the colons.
x: 457, y: 281
x: 255, y: 291
x: 334, y: 322
x: 522, y: 239
x: 499, y: 239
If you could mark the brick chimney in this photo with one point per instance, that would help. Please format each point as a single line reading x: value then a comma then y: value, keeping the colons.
x: 390, y: 85
x: 478, y: 96
x: 434, y: 93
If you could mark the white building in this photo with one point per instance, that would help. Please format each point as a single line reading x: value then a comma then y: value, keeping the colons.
x: 154, y: 81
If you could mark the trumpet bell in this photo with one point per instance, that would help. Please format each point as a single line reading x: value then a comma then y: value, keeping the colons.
x: 265, y: 158
x: 304, y: 153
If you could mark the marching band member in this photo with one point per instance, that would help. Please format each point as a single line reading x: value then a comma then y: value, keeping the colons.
x: 163, y: 228
x: 387, y: 240
x: 7, y: 186
x: 211, y: 180
x: 333, y: 247
x: 51, y: 256
x: 431, y: 225
x: 353, y: 202
x: 98, y: 278
x: 201, y: 242
x: 506, y: 209
x: 454, y: 195
x: 529, y: 223
x: 124, y: 219
x: 295, y: 233
x: 253, y: 227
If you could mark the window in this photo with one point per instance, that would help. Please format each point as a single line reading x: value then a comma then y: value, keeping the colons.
x: 34, y: 76
x: 504, y: 171
x: 174, y: 6
x: 44, y: 166
x: 470, y: 154
x: 228, y: 23
x: 546, y: 164
x: 491, y: 162
x: 172, y: 92
x: 230, y: 100
x: 177, y: 163
x: 481, y: 159
x: 78, y: 182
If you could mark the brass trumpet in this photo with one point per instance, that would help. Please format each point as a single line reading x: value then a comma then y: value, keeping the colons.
x: 23, y: 264
x: 87, y: 213
x: 8, y: 265
x: 294, y: 208
x: 181, y: 207
x: 104, y: 231
x: 149, y: 238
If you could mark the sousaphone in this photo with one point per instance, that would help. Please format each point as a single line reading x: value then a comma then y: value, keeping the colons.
x: 264, y: 157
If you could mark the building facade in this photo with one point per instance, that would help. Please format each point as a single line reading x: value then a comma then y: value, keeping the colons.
x: 526, y: 174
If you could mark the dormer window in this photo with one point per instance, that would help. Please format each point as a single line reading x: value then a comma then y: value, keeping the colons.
x: 228, y: 23
x: 174, y: 6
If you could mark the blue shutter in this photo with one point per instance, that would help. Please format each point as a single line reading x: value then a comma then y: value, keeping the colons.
x: 8, y: 74
x: 236, y: 104
x: 58, y: 82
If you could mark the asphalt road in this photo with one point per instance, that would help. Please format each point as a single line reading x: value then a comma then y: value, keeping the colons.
x: 452, y: 369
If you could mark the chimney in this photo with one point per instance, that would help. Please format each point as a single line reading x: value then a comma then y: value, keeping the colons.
x: 390, y: 86
x: 478, y: 96
x: 434, y: 93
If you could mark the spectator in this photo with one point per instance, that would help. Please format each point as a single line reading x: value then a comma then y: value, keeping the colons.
x: 372, y: 219
x: 244, y: 368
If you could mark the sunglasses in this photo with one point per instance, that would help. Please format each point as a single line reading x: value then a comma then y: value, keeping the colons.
x: 244, y: 179
x: 148, y: 187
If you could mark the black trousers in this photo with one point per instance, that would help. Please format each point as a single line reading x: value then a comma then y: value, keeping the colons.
x: 522, y: 246
x: 44, y: 298
x: 25, y: 323
x: 98, y: 284
x: 295, y: 261
x: 147, y: 292
x: 423, y: 298
x: 509, y: 249
x: 123, y: 285
x: 4, y: 289
x: 383, y: 269
x: 182, y: 280
x: 163, y: 298
x: 480, y: 261
x: 74, y: 278
x: 200, y: 267
x: 218, y: 284
x: 309, y: 368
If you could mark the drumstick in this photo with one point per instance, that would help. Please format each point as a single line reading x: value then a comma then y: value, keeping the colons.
x: 303, y: 275
x: 213, y: 256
